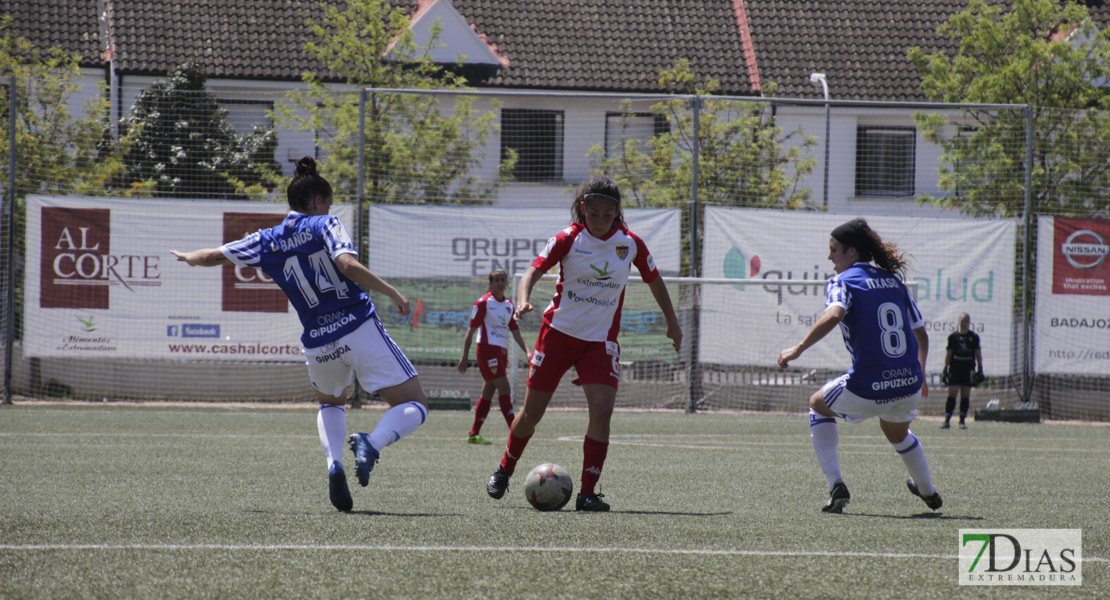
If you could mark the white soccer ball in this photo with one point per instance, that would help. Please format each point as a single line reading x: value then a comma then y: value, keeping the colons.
x: 548, y: 487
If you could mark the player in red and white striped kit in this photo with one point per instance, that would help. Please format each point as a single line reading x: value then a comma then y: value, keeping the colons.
x: 492, y: 319
x: 595, y: 257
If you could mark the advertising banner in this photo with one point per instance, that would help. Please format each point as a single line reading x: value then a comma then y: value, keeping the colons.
x: 1072, y: 323
x: 470, y: 241
x: 959, y: 265
x: 440, y: 258
x: 100, y: 281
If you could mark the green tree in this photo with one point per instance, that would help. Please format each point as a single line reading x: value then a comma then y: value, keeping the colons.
x: 1041, y: 53
x: 744, y: 158
x: 179, y: 143
x: 56, y: 152
x: 417, y: 148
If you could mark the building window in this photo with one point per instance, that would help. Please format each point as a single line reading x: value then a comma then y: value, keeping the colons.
x: 537, y: 138
x: 622, y: 127
x: 885, y: 161
x: 245, y: 114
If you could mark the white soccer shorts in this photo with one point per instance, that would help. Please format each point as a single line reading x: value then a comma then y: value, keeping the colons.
x: 368, y: 352
x: 855, y: 409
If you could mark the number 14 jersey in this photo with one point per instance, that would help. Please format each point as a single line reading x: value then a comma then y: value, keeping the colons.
x: 299, y: 255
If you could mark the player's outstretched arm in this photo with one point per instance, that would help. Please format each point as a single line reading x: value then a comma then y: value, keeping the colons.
x: 829, y: 320
x: 663, y: 299
x: 524, y: 290
x: 349, y: 266
x: 205, y: 257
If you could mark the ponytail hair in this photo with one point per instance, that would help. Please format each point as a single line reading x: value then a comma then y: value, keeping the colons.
x: 306, y: 185
x: 859, y: 235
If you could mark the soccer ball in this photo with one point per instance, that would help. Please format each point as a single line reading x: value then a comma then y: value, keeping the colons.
x: 548, y: 487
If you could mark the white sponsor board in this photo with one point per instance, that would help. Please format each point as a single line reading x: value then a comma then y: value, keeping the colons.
x: 101, y: 283
x: 960, y: 265
x: 470, y: 241
x: 1072, y: 323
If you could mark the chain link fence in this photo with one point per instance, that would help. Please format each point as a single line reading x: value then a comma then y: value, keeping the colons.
x: 1003, y: 209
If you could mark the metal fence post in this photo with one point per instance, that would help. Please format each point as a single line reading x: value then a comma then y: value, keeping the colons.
x: 693, y: 367
x: 9, y: 299
x: 360, y: 200
x: 1026, y: 263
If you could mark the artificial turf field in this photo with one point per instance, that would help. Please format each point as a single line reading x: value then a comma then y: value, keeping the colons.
x: 121, y: 501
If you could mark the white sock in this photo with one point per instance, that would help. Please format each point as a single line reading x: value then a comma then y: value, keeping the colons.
x: 914, y: 456
x: 825, y: 434
x: 398, y: 422
x: 332, y: 424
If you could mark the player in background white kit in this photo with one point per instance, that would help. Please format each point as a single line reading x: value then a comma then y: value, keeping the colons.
x: 492, y: 319
x: 311, y: 258
x: 595, y: 257
x: 885, y: 334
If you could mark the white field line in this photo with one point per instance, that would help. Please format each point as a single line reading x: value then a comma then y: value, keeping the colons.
x: 799, y: 442
x: 538, y: 549
x: 802, y: 442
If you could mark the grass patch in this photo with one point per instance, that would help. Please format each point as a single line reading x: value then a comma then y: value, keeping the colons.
x: 120, y: 501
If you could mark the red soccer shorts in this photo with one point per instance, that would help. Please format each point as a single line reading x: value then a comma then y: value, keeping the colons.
x: 491, y: 361
x: 556, y: 352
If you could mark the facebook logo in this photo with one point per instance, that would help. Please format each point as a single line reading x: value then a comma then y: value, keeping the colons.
x: 171, y: 330
x: 199, y: 330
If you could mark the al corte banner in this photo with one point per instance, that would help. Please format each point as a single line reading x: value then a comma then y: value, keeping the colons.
x: 959, y: 265
x: 100, y: 281
x: 421, y: 242
x: 1072, y: 318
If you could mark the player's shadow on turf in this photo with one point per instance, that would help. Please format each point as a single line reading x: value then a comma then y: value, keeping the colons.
x: 671, y: 514
x: 375, y: 513
x: 924, y: 515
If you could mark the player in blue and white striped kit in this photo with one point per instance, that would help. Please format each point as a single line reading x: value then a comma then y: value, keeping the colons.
x: 885, y: 334
x: 311, y: 257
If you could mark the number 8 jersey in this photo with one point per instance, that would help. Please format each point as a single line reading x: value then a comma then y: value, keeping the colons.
x: 878, y: 325
x: 299, y: 255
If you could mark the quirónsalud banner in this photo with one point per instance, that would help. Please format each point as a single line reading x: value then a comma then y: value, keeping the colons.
x: 100, y: 281
x: 959, y: 265
x: 1072, y: 323
x: 467, y: 242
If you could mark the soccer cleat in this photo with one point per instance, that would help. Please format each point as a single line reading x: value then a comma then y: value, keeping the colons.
x: 838, y: 498
x: 591, y: 503
x: 365, y: 456
x: 337, y: 488
x: 477, y: 439
x: 934, y: 502
x: 963, y: 425
x: 498, y: 483
x: 945, y: 425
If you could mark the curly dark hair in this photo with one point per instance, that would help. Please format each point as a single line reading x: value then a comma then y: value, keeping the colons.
x: 859, y: 235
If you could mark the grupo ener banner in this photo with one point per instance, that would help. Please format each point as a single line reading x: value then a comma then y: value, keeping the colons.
x: 1072, y: 320
x: 468, y: 242
x: 959, y: 265
x: 440, y: 258
x: 101, y: 283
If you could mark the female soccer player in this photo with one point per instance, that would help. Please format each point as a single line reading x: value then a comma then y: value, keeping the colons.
x: 595, y: 257
x: 492, y: 318
x: 311, y: 257
x: 885, y: 335
x: 960, y: 373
